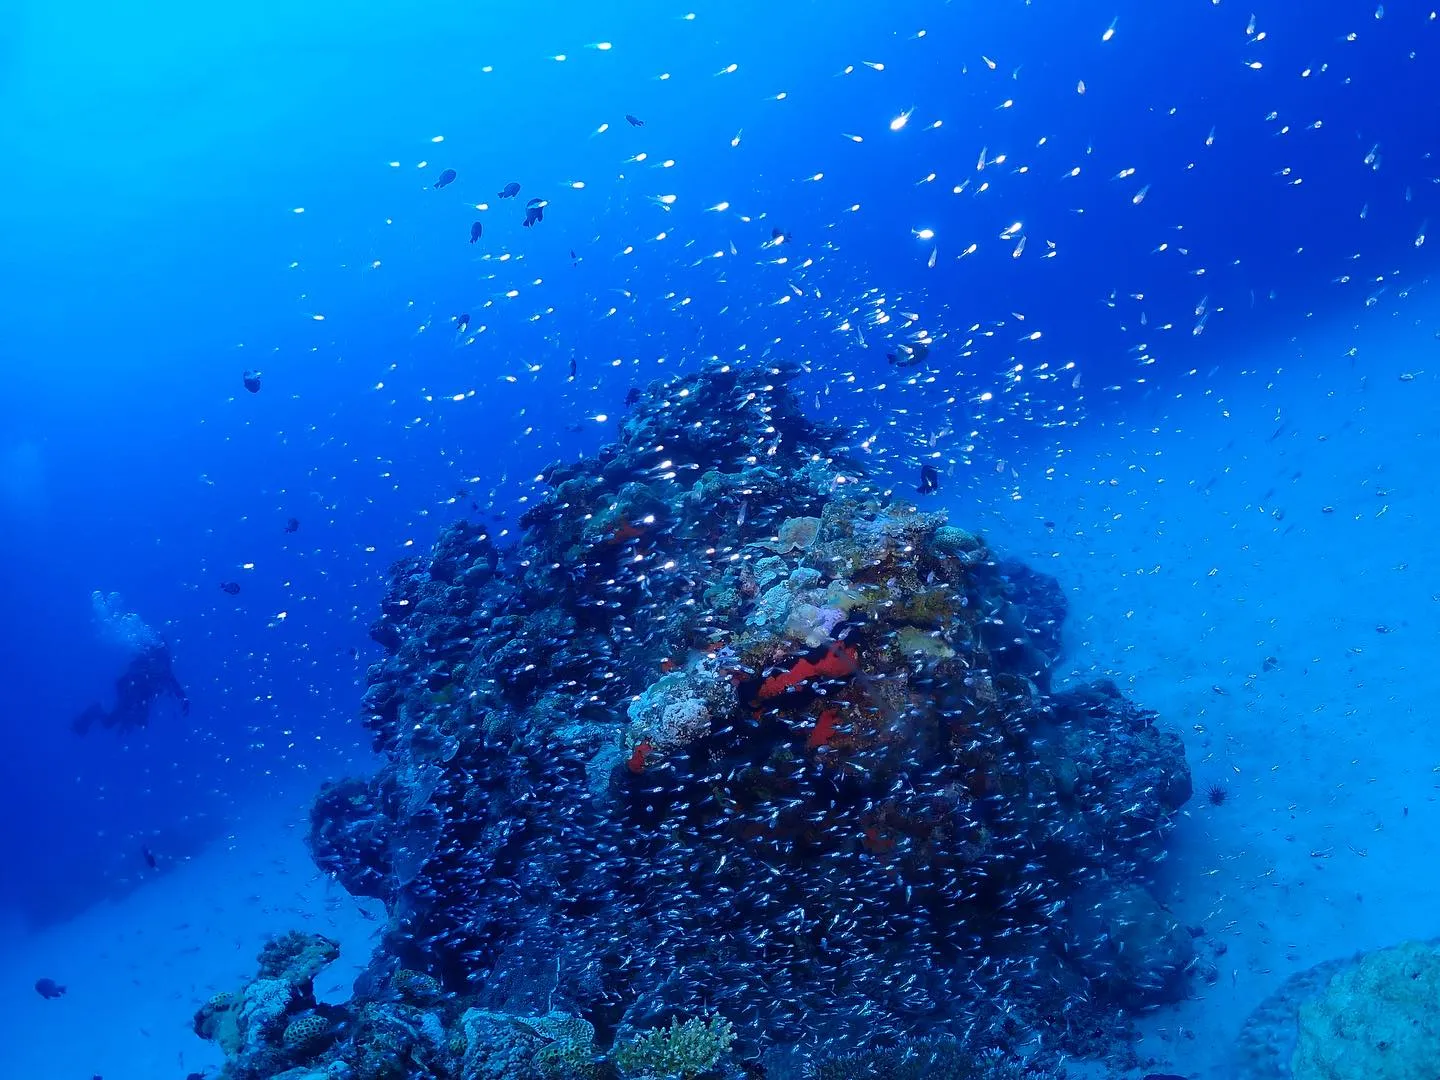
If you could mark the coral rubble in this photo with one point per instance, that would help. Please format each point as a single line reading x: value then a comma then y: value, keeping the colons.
x: 729, y: 743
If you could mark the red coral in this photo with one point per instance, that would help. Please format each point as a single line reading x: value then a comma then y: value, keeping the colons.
x: 626, y: 530
x: 824, y: 729
x: 878, y: 840
x: 835, y: 660
x: 642, y: 751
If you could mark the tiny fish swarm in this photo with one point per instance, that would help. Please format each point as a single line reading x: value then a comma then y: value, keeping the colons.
x: 726, y: 734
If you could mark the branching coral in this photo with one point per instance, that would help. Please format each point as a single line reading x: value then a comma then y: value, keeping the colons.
x: 686, y: 1050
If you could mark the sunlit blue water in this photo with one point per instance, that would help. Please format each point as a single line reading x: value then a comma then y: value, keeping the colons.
x: 1163, y: 251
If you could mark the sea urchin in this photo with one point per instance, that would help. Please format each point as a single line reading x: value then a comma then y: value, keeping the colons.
x: 1217, y: 795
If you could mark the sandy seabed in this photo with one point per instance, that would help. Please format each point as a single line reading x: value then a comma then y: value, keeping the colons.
x: 137, y: 969
x: 1262, y: 568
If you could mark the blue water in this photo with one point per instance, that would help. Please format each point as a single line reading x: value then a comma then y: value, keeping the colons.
x: 1236, y: 192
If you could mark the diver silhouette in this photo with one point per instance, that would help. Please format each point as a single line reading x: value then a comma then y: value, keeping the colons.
x: 148, y: 677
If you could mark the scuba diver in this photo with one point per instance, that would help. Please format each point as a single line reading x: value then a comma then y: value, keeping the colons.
x: 148, y: 677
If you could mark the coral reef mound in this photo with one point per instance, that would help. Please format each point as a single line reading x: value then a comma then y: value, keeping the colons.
x: 727, y: 734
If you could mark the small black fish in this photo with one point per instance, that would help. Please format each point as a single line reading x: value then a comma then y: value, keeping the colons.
x: 632, y: 396
x: 149, y: 857
x: 463, y: 323
x: 354, y: 653
x: 292, y: 525
x: 534, y: 213
x: 446, y: 177
x: 929, y: 480
x: 475, y: 229
x: 509, y: 192
x: 635, y: 121
x: 572, y: 367
x: 574, y: 259
x: 251, y: 379
x: 908, y: 355
x: 231, y: 587
x: 780, y: 236
x: 49, y: 988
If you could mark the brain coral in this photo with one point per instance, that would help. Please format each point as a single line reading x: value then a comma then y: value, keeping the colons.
x: 1376, y: 1020
x: 305, y: 1033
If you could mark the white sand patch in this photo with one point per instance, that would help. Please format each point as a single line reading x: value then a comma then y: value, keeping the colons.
x: 136, y: 970
x: 1212, y: 551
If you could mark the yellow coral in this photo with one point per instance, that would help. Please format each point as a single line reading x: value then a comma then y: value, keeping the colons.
x: 913, y: 641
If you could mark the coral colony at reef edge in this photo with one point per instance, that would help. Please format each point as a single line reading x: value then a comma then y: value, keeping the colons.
x: 730, y: 766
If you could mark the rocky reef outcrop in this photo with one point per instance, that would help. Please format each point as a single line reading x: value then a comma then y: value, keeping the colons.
x: 274, y: 1018
x: 728, y: 735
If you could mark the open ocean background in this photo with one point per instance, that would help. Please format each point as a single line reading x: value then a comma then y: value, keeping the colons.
x: 1203, y: 395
